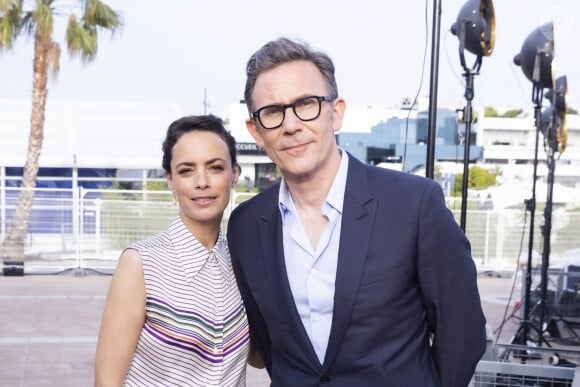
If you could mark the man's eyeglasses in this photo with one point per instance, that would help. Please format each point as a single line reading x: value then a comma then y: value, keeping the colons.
x: 307, y: 109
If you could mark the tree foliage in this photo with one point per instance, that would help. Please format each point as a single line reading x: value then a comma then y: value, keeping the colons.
x: 489, y: 111
x: 512, y: 113
x: 36, y: 19
x: 478, y: 178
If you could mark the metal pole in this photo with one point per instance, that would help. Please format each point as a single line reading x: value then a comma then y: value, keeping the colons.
x: 205, y: 103
x: 432, y: 119
x: 2, y: 201
x: 547, y: 227
x: 466, y: 143
x: 531, y: 206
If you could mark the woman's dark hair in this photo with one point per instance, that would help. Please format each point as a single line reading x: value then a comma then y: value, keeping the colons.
x: 209, y: 123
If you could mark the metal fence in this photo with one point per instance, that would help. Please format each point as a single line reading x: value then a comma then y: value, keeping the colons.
x: 87, y: 229
x: 96, y: 224
x: 500, y: 238
x: 496, y: 374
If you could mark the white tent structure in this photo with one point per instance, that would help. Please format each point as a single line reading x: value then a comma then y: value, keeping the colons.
x: 513, y: 193
x: 86, y: 134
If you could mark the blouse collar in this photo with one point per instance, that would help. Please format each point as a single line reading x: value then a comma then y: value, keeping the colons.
x: 193, y: 255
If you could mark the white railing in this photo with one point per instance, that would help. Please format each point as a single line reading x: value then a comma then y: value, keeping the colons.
x: 81, y: 225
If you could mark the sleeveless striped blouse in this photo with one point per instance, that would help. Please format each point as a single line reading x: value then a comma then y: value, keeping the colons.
x: 196, y: 329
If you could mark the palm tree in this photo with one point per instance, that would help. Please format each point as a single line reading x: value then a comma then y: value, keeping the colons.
x: 37, y: 19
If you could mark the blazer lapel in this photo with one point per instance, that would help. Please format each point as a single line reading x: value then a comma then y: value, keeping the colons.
x: 270, y: 232
x: 357, y: 219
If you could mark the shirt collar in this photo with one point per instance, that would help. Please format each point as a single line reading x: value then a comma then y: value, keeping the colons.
x: 193, y: 255
x: 335, y: 197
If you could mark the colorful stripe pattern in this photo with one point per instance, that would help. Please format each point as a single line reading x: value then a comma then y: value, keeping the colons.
x: 196, y: 329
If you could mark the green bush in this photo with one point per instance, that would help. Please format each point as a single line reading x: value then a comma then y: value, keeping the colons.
x: 479, y: 178
x: 130, y: 216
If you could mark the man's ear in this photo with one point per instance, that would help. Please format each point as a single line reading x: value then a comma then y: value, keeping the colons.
x: 255, y: 132
x: 338, y: 108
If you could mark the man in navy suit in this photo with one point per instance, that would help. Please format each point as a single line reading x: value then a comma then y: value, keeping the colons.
x: 352, y: 275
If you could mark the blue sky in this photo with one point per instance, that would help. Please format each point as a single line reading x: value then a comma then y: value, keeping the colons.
x: 177, y: 50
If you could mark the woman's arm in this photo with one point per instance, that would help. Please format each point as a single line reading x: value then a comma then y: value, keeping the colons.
x: 122, y: 322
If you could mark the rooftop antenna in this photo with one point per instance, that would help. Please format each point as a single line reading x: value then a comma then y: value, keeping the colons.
x: 205, y: 102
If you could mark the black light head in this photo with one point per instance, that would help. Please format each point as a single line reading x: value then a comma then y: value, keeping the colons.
x: 475, y: 26
x: 537, y: 56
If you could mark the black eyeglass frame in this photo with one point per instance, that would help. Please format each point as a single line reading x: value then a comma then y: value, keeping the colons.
x: 320, y: 99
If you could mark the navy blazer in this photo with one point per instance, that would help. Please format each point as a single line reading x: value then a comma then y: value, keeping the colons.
x: 407, y: 310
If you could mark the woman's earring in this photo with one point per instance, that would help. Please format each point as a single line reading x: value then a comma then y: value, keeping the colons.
x: 174, y: 199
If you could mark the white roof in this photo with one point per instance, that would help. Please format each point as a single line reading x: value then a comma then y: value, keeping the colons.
x: 91, y: 133
x: 356, y: 119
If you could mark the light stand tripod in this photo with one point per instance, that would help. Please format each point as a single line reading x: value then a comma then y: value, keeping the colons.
x: 551, y: 129
x: 553, y: 126
x: 535, y: 59
x: 523, y: 332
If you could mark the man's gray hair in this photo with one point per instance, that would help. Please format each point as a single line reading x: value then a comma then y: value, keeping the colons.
x: 284, y: 50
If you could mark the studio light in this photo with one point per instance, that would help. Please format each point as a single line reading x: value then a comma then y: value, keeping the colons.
x: 550, y: 126
x: 536, y: 58
x: 553, y: 126
x: 475, y: 29
x: 558, y: 97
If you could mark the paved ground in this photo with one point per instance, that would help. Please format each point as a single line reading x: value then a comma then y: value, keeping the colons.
x: 49, y: 325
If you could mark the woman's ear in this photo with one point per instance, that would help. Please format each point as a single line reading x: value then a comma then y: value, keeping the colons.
x: 169, y: 181
x: 237, y: 172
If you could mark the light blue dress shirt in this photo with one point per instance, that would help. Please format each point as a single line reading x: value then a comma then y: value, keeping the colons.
x: 312, y: 269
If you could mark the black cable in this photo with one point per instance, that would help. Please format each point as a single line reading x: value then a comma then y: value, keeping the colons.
x: 419, y: 89
x: 458, y: 77
x: 498, y: 330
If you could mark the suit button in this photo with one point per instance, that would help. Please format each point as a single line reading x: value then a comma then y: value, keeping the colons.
x: 325, y: 379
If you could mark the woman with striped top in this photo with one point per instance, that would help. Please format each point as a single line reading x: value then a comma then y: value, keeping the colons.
x: 173, y: 315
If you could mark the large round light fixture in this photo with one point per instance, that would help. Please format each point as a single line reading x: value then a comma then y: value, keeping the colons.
x: 476, y: 22
x: 558, y: 97
x: 475, y: 29
x: 550, y: 125
x: 537, y: 55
